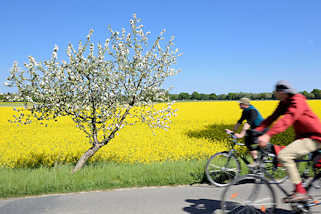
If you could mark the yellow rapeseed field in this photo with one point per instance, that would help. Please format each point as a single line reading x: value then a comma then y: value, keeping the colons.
x: 196, y: 132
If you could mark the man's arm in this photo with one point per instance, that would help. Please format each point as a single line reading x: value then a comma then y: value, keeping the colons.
x: 239, y: 122
x: 236, y: 127
x: 265, y: 139
x: 270, y: 119
x: 295, y: 110
x: 250, y: 118
x: 242, y: 133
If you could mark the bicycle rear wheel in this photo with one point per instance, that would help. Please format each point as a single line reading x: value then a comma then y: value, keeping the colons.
x: 248, y: 194
x: 221, y: 169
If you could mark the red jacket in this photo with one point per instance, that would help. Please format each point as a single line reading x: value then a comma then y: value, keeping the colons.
x: 296, y: 112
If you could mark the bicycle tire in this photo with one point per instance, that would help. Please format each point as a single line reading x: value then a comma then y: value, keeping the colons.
x: 249, y: 194
x: 221, y: 169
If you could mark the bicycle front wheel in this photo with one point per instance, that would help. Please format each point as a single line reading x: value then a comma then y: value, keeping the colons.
x: 222, y: 168
x: 248, y: 194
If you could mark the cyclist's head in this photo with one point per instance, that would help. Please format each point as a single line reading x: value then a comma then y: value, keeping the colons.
x: 283, y: 89
x: 244, y: 102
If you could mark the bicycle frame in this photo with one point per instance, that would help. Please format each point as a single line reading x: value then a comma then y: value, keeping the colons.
x: 232, y: 150
x: 244, y: 159
x: 223, y: 173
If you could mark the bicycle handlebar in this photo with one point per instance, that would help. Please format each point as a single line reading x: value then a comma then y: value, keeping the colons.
x: 231, y: 135
x: 234, y: 138
x: 253, y: 136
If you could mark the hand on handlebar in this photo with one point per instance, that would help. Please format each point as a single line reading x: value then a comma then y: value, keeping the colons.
x: 228, y: 131
x: 238, y: 135
x: 263, y: 140
x: 235, y: 135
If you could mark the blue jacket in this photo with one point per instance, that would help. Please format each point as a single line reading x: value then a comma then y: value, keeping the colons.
x: 252, y: 116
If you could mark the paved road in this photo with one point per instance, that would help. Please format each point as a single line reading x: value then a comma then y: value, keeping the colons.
x: 196, y: 199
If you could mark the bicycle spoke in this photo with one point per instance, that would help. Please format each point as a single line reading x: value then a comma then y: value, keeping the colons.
x: 223, y: 172
x: 217, y: 168
x: 222, y: 168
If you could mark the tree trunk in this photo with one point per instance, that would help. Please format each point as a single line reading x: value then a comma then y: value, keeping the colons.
x: 90, y: 152
x: 83, y: 159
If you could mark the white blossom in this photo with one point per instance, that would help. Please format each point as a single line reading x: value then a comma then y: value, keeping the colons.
x: 8, y: 83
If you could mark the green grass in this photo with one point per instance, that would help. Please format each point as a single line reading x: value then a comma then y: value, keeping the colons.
x: 101, y: 176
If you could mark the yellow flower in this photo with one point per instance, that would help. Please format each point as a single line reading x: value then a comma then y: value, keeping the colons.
x: 195, y: 133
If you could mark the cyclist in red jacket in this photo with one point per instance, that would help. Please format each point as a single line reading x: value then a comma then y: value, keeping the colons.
x: 307, y: 127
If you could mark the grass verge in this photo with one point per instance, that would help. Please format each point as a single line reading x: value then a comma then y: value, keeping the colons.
x: 99, y: 176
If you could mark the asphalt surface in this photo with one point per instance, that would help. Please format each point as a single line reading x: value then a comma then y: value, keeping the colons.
x: 195, y: 199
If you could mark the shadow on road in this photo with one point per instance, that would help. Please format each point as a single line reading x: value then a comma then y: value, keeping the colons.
x: 207, y: 206
x: 202, y: 206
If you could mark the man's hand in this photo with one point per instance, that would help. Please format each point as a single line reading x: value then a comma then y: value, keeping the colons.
x: 263, y: 140
x: 238, y: 135
x: 228, y: 131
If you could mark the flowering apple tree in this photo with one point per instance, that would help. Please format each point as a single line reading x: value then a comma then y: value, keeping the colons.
x: 102, y: 87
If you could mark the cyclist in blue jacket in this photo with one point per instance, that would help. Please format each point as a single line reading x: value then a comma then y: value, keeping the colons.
x: 253, y: 119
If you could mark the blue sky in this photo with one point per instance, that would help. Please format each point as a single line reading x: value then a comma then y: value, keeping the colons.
x: 227, y: 45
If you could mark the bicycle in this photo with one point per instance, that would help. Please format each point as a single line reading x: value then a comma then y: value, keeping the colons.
x: 260, y: 197
x: 223, y: 168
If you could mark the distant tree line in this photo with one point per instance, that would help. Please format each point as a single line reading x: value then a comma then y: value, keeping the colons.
x: 7, y: 97
x: 314, y: 94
